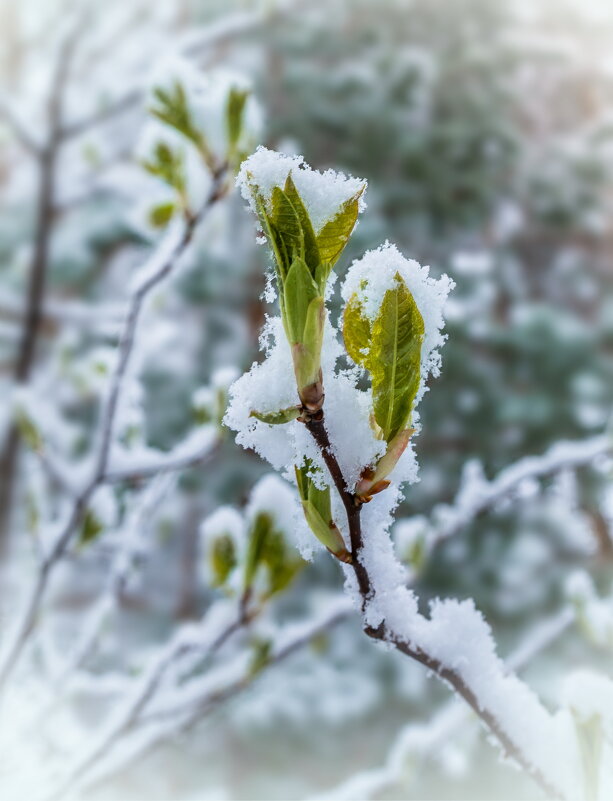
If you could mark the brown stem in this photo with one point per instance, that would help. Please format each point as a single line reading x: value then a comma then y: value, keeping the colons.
x: 353, y: 507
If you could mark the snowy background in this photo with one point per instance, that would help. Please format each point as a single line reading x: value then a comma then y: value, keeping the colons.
x: 484, y: 129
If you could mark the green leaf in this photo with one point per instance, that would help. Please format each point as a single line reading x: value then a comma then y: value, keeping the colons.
x: 317, y: 510
x: 394, y: 359
x: 277, y: 418
x: 335, y: 234
x: 222, y: 558
x: 286, y: 224
x: 260, y: 657
x: 28, y: 430
x: 160, y: 215
x: 90, y: 528
x: 167, y: 165
x: 322, y: 272
x: 299, y: 291
x: 268, y: 551
x: 281, y: 266
x: 237, y: 98
x: 357, y: 331
x: 173, y: 109
x: 306, y: 354
x: 309, y: 250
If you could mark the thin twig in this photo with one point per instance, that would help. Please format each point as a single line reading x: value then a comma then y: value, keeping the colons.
x: 46, y: 159
x: 217, y: 33
x: 20, y: 132
x: 158, y: 269
x: 183, y: 716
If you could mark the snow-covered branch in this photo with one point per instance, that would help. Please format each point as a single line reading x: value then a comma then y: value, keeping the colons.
x: 477, y: 495
x: 190, y: 704
x: 418, y: 742
x: 160, y: 265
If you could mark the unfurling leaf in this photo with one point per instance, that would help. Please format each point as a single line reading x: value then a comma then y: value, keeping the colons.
x: 167, y: 164
x: 394, y: 359
x: 160, y: 215
x: 285, y: 223
x: 374, y: 481
x: 317, y: 510
x: 357, y: 331
x: 223, y: 559
x: 235, y: 109
x: 277, y: 418
x: 173, y: 109
x: 268, y: 552
x: 298, y: 292
x: 335, y: 234
x: 309, y: 251
x: 28, y: 430
x: 90, y: 528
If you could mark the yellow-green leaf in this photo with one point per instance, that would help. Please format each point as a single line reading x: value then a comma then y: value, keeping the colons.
x: 235, y: 109
x: 335, y: 234
x: 223, y: 559
x: 394, y: 360
x: 90, y: 528
x: 356, y: 331
x: 160, y: 215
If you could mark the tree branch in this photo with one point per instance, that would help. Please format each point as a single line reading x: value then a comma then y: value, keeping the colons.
x: 158, y: 268
x: 37, y: 276
x: 384, y: 633
x: 191, y: 708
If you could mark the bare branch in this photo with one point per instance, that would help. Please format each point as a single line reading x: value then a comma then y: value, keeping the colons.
x: 217, y: 33
x: 19, y: 129
x: 154, y: 272
x: 191, y: 708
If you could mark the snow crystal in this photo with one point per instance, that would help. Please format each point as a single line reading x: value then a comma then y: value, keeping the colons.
x: 323, y: 193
